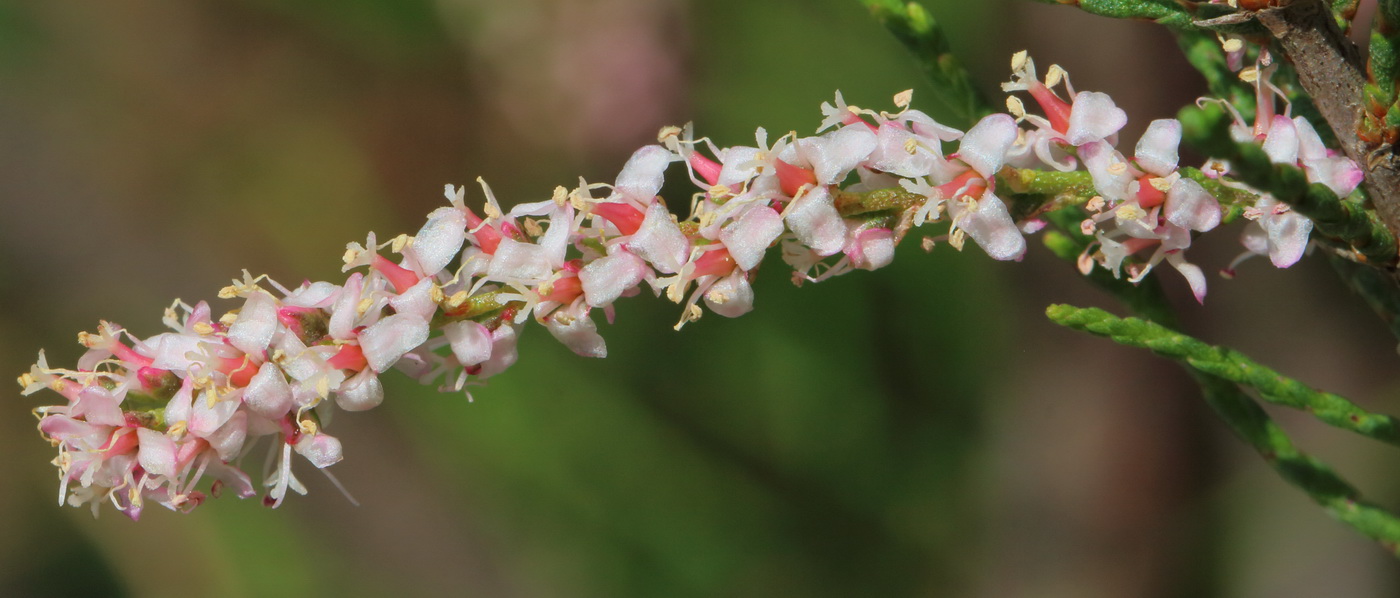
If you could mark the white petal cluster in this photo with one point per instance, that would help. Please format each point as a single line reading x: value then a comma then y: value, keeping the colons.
x: 149, y: 419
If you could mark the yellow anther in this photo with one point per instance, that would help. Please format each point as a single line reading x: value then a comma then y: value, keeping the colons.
x: 561, y: 196
x: 904, y: 98
x: 957, y: 239
x: 668, y: 132
x: 1018, y: 61
x: 1015, y: 107
x: 692, y: 313
x: 351, y: 254
x: 1233, y: 44
x: 26, y: 380
x: 229, y: 318
x: 1249, y: 74
x: 1095, y: 203
x: 1130, y: 212
x: 203, y: 329
x: 911, y: 146
x: 1160, y: 183
x: 532, y: 228
x: 676, y: 292
x: 399, y: 243
x: 457, y: 299
x: 579, y: 202
x: 1054, y: 75
x: 363, y: 306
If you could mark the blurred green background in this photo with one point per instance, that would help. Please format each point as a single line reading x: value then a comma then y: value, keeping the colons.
x: 918, y: 431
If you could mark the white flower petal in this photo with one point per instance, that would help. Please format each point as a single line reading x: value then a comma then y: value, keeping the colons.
x: 892, y: 153
x: 606, y: 278
x: 268, y: 393
x: 206, y: 418
x: 390, y: 338
x: 360, y: 392
x: 577, y: 331
x: 1288, y: 237
x: 1189, y: 205
x: 1157, y: 151
x: 749, y: 236
x: 1281, y: 142
x: 985, y: 145
x: 516, y: 261
x: 345, y: 311
x: 815, y: 221
x: 470, y: 341
x: 503, y: 351
x: 991, y: 227
x: 872, y: 248
x: 1108, y: 169
x: 738, y: 164
x: 1094, y: 117
x: 321, y: 449
x: 157, y: 452
x: 643, y: 174
x: 417, y: 300
x: 256, y: 323
x: 97, y: 405
x: 731, y: 296
x: 835, y: 154
x: 228, y: 440
x: 660, y: 241
x: 438, y: 241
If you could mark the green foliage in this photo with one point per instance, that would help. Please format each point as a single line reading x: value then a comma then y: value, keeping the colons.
x: 1171, y: 13
x: 1321, y: 484
x: 1381, y: 119
x: 1221, y: 374
x: 1228, y: 364
x: 1344, y: 221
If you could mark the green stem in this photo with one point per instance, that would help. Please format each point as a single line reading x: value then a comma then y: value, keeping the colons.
x: 1055, y: 190
x: 1219, y: 380
x: 894, y: 199
x: 1321, y: 484
x: 1230, y: 365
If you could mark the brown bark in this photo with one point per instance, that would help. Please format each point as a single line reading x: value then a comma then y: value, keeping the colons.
x: 1329, y: 67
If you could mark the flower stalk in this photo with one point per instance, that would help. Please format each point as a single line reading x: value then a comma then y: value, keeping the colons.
x: 150, y: 419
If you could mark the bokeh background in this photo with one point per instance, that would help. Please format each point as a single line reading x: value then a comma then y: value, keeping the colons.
x: 918, y: 431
